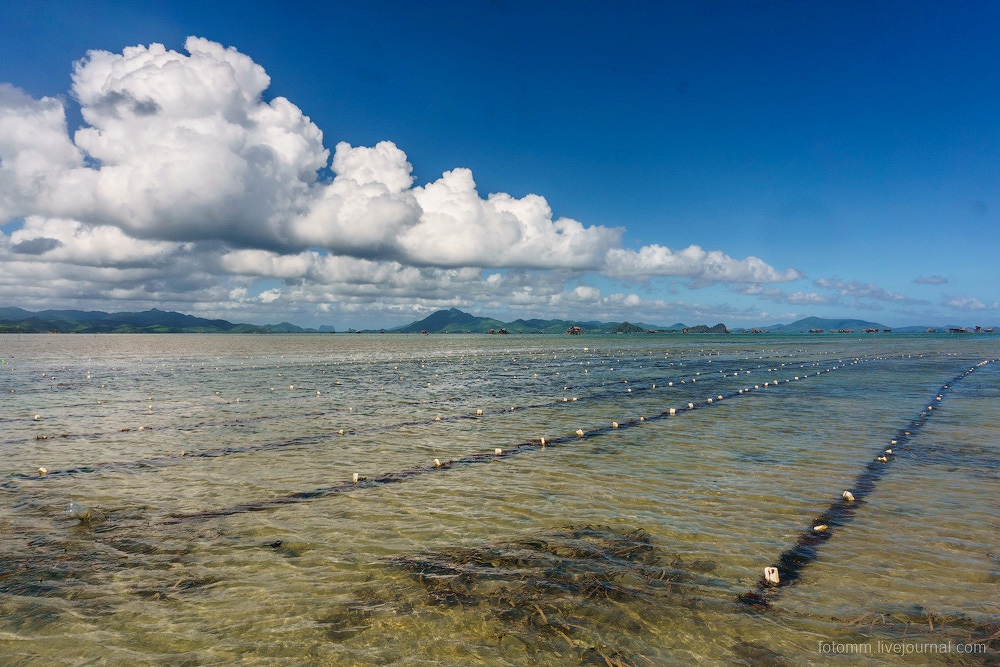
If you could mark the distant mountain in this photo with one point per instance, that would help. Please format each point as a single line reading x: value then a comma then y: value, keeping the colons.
x: 701, y: 328
x: 626, y: 327
x: 826, y: 325
x: 454, y: 320
x: 17, y: 320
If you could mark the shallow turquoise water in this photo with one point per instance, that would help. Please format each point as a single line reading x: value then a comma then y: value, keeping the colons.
x: 226, y: 527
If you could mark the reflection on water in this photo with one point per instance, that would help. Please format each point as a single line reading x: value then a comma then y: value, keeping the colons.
x: 198, y: 503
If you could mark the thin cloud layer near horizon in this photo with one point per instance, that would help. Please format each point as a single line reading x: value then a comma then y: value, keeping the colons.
x: 365, y: 166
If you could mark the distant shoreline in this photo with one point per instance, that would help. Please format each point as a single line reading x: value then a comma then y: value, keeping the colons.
x: 519, y: 334
x: 452, y: 320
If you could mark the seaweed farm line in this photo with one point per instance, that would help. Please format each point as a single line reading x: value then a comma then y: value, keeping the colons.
x: 481, y: 500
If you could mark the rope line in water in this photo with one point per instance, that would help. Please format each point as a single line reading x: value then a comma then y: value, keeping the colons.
x: 156, y: 462
x: 710, y: 375
x: 473, y: 459
x: 787, y: 569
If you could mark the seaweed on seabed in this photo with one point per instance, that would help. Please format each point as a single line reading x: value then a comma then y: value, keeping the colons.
x: 568, y: 585
x: 583, y: 561
x: 917, y: 622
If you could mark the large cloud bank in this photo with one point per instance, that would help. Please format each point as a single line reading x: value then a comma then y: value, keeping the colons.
x: 186, y: 185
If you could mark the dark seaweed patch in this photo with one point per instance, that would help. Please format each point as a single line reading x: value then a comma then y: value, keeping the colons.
x: 758, y: 655
x: 565, y: 588
x: 344, y: 624
x: 77, y: 566
x: 980, y: 636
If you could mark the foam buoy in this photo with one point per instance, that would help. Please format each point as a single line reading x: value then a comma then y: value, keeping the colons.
x: 498, y: 451
x: 579, y: 432
x: 771, y: 575
x: 78, y: 511
x: 847, y: 496
x: 614, y: 424
x: 42, y: 472
x: 355, y: 478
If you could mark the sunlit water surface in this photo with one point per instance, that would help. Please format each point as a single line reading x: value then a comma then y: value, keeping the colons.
x: 219, y: 521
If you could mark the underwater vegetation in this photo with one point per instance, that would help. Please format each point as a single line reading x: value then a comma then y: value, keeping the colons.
x: 484, y: 506
x: 576, y: 590
x: 601, y: 595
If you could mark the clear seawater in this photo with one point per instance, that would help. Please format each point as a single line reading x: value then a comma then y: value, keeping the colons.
x: 220, y: 523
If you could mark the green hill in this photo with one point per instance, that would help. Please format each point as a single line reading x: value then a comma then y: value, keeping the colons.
x: 626, y: 328
x: 454, y: 320
x: 17, y: 320
x: 826, y: 325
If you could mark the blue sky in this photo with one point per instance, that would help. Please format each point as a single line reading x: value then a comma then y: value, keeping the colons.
x: 748, y: 163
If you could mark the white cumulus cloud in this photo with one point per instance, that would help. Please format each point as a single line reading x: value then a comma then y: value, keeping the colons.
x: 185, y: 184
x: 702, y: 266
x: 36, y: 153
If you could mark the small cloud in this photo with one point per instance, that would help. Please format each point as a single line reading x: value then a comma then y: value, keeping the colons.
x: 855, y: 288
x: 586, y: 293
x: 270, y: 295
x: 36, y: 246
x: 701, y: 266
x: 805, y: 298
x: 968, y: 304
x: 930, y: 280
x: 776, y: 295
